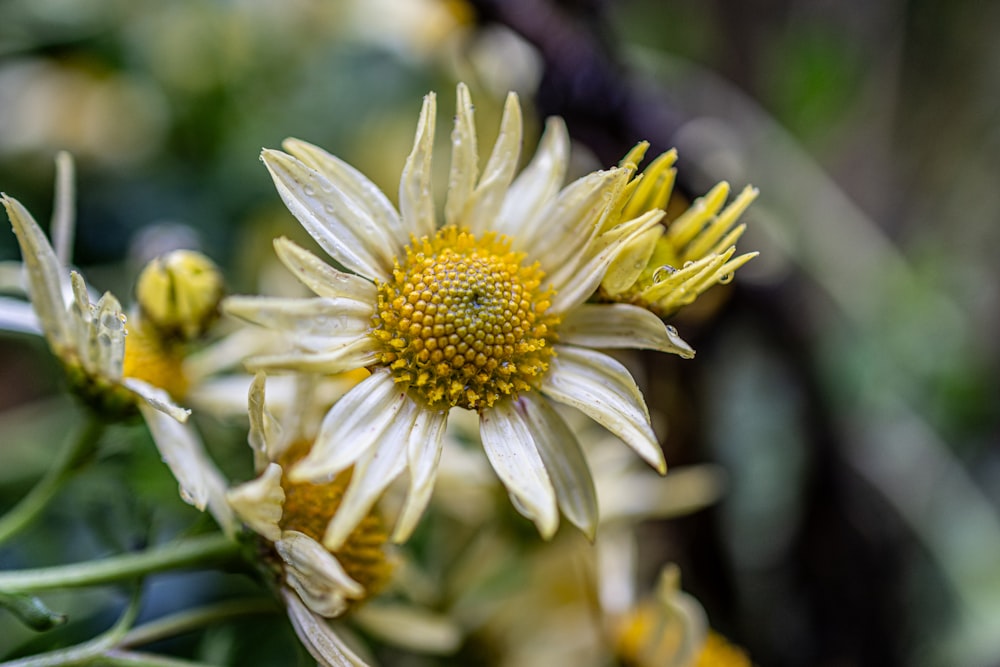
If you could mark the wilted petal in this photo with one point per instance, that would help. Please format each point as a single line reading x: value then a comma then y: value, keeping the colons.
x: 603, y: 389
x: 416, y: 201
x: 464, y: 159
x: 356, y: 353
x: 315, y: 633
x: 157, y: 398
x: 315, y: 322
x: 201, y: 483
x: 316, y: 574
x: 510, y: 447
x: 484, y: 205
x: 258, y: 502
x: 423, y: 453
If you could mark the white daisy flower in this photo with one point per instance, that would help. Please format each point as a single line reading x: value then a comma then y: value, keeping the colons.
x: 485, y: 313
x: 114, y: 377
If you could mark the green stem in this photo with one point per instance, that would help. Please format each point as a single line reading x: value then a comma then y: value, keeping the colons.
x: 186, y: 621
x: 118, y: 658
x: 195, y: 551
x: 73, y: 456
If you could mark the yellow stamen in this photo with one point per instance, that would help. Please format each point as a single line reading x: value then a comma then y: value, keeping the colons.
x: 463, y: 322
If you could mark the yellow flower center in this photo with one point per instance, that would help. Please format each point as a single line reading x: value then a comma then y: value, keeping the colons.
x: 463, y: 321
x: 151, y: 359
x: 308, y: 509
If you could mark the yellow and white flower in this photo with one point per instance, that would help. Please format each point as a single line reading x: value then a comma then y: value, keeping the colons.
x: 115, y: 377
x: 290, y: 517
x: 672, y: 264
x: 485, y: 313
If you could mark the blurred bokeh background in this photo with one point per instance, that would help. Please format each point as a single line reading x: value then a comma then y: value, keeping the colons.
x: 846, y: 380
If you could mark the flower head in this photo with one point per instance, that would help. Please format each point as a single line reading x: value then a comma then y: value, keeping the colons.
x: 117, y: 368
x: 674, y: 263
x: 486, y: 312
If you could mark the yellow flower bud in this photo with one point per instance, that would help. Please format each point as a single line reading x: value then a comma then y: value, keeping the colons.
x: 179, y: 294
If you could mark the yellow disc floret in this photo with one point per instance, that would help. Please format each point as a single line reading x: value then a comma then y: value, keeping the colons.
x: 463, y: 322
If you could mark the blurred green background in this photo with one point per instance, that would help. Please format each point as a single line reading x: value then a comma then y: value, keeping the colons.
x: 847, y: 380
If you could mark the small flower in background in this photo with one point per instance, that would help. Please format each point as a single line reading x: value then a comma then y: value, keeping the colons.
x: 486, y: 313
x: 672, y: 264
x: 114, y: 376
x: 290, y: 517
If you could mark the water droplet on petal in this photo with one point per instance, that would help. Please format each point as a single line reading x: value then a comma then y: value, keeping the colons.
x: 309, y: 190
x: 726, y: 279
x: 687, y: 264
x: 662, y: 273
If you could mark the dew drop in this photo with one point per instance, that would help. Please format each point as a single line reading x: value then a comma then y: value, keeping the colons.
x: 687, y: 264
x: 662, y: 273
x: 727, y: 278
x: 672, y: 330
x: 309, y: 190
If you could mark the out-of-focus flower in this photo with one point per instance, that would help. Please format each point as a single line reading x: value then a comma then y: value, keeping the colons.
x: 486, y: 313
x: 179, y: 294
x: 115, y: 377
x: 290, y: 518
x: 672, y: 264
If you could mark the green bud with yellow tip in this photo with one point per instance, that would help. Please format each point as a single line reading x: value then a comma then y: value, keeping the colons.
x: 179, y: 294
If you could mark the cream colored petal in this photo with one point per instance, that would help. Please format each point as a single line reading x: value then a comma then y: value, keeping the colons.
x: 19, y: 316
x: 315, y: 633
x: 46, y: 275
x: 353, y: 425
x: 539, y: 182
x: 633, y: 496
x: 416, y: 200
x: 617, y: 568
x: 316, y: 323
x: 408, y: 627
x: 354, y: 184
x: 356, y: 354
x: 316, y: 574
x: 568, y: 224
x: 319, y: 276
x: 264, y: 430
x: 339, y: 225
x: 631, y: 261
x: 576, y: 280
x: 464, y: 159
x: 484, y: 205
x: 620, y: 325
x: 423, y: 454
x: 63, y: 209
x: 156, y: 398
x: 258, y: 502
x: 201, y: 483
x: 564, y: 461
x: 373, y: 472
x: 509, y: 444
x: 603, y: 389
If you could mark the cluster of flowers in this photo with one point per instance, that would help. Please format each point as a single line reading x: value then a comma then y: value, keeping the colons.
x: 359, y: 397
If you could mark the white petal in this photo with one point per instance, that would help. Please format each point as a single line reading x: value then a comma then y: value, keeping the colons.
x: 107, y: 341
x: 63, y: 209
x: 423, y: 453
x: 620, y: 325
x: 316, y: 574
x: 409, y: 627
x: 564, y: 461
x: 356, y: 354
x: 156, y: 398
x: 577, y: 279
x: 464, y: 159
x: 484, y: 205
x: 339, y: 225
x: 263, y: 428
x: 354, y: 184
x: 603, y: 389
x: 315, y: 633
x: 539, y: 182
x: 19, y: 316
x: 354, y: 424
x: 570, y: 222
x: 416, y: 200
x: 319, y: 276
x: 258, y: 502
x: 316, y: 323
x: 373, y: 472
x: 201, y: 483
x: 45, y: 274
x: 510, y: 448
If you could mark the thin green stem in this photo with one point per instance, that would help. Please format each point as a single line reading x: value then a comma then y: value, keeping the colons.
x: 196, y: 551
x: 188, y: 620
x: 117, y: 658
x: 77, y: 451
